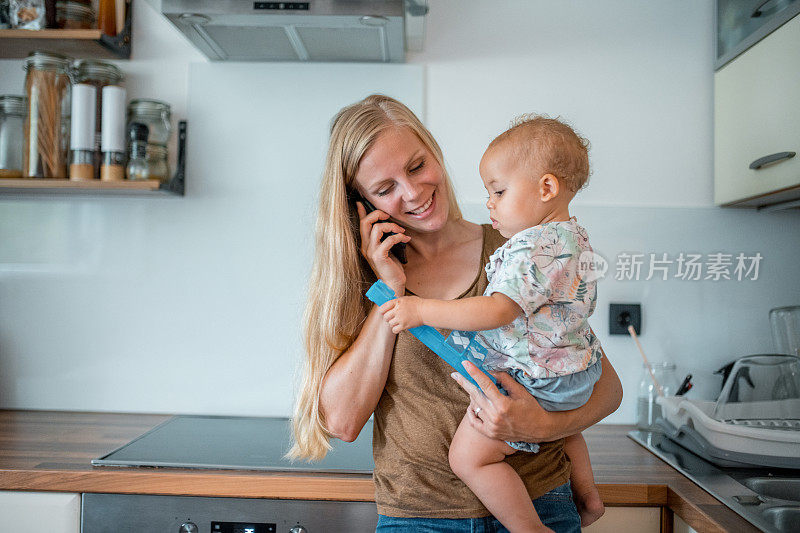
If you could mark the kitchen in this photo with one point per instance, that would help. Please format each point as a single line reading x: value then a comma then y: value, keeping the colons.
x: 164, y: 304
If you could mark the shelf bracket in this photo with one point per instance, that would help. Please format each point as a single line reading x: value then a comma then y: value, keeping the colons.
x: 176, y: 184
x: 120, y: 44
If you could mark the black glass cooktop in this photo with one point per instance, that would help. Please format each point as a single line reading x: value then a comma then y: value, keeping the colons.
x: 236, y: 443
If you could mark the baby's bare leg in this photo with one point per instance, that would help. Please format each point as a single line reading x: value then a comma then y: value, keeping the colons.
x: 478, y: 461
x: 587, y: 498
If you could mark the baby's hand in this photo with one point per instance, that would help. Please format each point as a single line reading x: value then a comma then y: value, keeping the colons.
x: 402, y: 313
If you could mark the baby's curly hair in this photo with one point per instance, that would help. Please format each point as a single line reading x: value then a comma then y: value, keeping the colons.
x: 548, y: 146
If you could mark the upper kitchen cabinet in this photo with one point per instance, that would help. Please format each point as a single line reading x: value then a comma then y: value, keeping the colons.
x: 756, y: 115
x: 109, y: 38
x: 369, y: 31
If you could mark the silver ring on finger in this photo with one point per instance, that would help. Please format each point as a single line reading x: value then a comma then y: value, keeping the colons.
x: 478, y: 411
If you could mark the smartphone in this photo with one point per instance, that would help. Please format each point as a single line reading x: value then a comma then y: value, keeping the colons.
x: 399, y: 249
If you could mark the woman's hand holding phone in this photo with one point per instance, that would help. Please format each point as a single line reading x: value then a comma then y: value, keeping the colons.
x: 386, y: 266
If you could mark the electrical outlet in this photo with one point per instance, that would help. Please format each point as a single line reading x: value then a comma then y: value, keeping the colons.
x: 620, y: 316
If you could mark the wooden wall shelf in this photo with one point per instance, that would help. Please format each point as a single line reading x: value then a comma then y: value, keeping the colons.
x: 64, y: 187
x: 81, y: 44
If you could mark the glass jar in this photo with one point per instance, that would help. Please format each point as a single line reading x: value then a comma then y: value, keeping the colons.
x: 785, y: 323
x: 74, y: 16
x: 5, y: 17
x: 12, y: 114
x: 153, y: 114
x: 647, y: 410
x: 46, y: 125
x: 99, y: 74
x: 148, y: 162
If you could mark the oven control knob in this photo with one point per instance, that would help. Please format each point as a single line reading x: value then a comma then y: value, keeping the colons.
x: 188, y: 527
x: 298, y: 529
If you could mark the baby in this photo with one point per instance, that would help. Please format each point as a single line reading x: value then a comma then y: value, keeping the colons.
x: 532, y: 318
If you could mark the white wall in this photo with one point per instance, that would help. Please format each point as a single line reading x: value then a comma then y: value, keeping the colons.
x: 635, y: 78
x: 168, y: 305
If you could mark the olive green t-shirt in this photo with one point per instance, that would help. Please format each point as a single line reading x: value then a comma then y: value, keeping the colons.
x: 416, y: 418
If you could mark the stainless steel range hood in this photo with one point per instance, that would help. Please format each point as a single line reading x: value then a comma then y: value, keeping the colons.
x: 317, y: 30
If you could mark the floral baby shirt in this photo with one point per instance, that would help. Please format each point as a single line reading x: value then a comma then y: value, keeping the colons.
x: 538, y: 268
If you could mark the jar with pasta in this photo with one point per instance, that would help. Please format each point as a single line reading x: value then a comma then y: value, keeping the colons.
x: 46, y: 130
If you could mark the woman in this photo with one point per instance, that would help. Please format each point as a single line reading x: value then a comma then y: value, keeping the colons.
x: 355, y: 365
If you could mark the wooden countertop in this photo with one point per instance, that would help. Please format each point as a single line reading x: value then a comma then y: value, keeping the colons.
x: 52, y: 450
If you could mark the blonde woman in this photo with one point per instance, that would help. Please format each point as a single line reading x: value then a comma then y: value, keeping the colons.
x: 355, y: 366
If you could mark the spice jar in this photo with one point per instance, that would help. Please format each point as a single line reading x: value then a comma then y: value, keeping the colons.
x: 12, y: 114
x: 74, y: 16
x: 137, y: 150
x: 46, y: 125
x: 100, y: 74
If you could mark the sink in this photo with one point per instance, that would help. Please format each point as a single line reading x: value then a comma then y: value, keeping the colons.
x: 768, y: 498
x: 781, y: 488
x: 784, y: 518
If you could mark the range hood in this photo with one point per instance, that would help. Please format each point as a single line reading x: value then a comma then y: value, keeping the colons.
x: 318, y: 30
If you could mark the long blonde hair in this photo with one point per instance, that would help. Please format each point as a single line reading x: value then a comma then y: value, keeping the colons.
x: 336, y: 307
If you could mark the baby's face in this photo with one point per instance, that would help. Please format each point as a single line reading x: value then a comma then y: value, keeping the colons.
x: 515, y: 196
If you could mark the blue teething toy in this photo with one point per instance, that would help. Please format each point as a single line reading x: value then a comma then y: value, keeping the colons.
x: 457, y: 347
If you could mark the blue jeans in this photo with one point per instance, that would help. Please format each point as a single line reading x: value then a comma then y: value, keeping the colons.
x: 556, y: 510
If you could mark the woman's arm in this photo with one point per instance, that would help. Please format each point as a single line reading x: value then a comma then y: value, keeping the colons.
x: 519, y: 417
x: 472, y: 314
x: 354, y: 384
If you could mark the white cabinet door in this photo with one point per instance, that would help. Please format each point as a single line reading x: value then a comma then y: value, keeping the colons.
x: 37, y: 512
x: 629, y: 520
x: 757, y: 113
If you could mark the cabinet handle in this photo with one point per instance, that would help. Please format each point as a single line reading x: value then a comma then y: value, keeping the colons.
x: 769, y: 159
x: 757, y: 11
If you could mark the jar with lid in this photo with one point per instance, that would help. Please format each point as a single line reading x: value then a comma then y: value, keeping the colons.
x: 74, y: 16
x: 153, y: 114
x: 647, y: 410
x: 99, y: 74
x: 147, y: 161
x: 149, y: 129
x: 46, y: 125
x: 12, y: 114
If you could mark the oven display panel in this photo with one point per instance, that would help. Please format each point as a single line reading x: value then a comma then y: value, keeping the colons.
x: 242, y: 527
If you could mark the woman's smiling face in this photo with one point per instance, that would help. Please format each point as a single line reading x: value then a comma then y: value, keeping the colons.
x: 401, y: 177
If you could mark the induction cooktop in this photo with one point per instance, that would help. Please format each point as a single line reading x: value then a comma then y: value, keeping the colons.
x: 235, y: 443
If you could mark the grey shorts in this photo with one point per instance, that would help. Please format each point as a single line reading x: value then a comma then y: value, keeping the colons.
x: 560, y: 393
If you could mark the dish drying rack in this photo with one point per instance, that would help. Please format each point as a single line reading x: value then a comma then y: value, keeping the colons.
x: 779, y: 424
x: 744, y: 440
